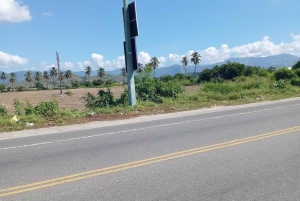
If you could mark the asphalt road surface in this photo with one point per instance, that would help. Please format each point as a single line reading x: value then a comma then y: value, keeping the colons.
x: 241, y: 153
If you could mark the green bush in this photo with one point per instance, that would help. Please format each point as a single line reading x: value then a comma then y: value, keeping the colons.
x: 170, y: 89
x: 3, y: 111
x: 76, y: 84
x: 280, y: 85
x: 98, y: 82
x: 146, y: 90
x: 166, y: 78
x: 19, y: 108
x: 29, y: 109
x: 124, y: 99
x: 69, y: 93
x: 284, y: 74
x: 295, y: 81
x: 206, y: 75
x: 21, y: 88
x: 105, y: 99
x: 2, y: 87
x: 39, y: 86
x: 296, y: 66
x: 46, y: 108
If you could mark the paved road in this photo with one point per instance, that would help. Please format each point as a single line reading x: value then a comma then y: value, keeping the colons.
x: 248, y: 153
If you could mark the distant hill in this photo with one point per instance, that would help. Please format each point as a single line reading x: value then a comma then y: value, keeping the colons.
x: 281, y: 60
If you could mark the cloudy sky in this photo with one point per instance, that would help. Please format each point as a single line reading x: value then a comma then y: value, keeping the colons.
x: 90, y: 32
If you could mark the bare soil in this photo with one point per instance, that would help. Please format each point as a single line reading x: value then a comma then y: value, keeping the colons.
x: 75, y: 101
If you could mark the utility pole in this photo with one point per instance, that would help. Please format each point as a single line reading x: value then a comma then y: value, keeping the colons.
x: 128, y: 52
x: 59, y: 75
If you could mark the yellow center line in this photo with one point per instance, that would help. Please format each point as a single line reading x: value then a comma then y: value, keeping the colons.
x: 135, y: 164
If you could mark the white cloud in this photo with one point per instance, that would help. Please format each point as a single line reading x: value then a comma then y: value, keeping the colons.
x: 143, y: 58
x: 262, y: 48
x: 13, y: 11
x: 66, y: 66
x: 8, y: 60
x: 48, y: 14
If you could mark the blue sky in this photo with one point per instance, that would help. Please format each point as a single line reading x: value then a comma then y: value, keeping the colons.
x: 90, y: 32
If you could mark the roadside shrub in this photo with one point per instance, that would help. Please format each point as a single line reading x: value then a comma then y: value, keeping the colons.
x: 105, y: 99
x: 206, y: 75
x: 170, y: 89
x: 279, y: 85
x: 3, y: 111
x: 124, y: 99
x: 46, y: 108
x: 29, y: 109
x: 69, y: 93
x: 19, y: 108
x: 295, y: 81
x: 146, y: 90
x: 297, y: 72
x: 284, y: 74
x: 2, y: 87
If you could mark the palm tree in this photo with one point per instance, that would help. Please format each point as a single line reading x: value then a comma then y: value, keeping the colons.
x: 68, y: 75
x: 123, y: 73
x: 195, y: 60
x: 38, y: 76
x: 101, y: 72
x: 140, y: 68
x: 3, y: 77
x: 53, y: 74
x: 148, y: 69
x: 185, y: 62
x: 46, y: 77
x: 154, y: 62
x: 28, y: 77
x: 88, y: 71
x: 12, y: 79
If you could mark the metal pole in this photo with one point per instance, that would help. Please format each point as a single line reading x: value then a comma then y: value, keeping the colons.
x: 130, y: 74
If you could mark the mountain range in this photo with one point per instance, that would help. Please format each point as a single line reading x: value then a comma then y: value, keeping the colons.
x: 281, y: 60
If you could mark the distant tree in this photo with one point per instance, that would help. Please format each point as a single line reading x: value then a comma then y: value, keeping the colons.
x: 88, y: 71
x: 3, y: 77
x: 271, y: 69
x: 206, y: 75
x: 148, y: 69
x: 154, y: 63
x: 68, y: 75
x: 185, y: 62
x: 46, y: 77
x: 296, y: 66
x: 53, y: 74
x: 38, y: 76
x: 140, y: 68
x: 123, y: 73
x: 12, y: 80
x: 28, y: 77
x: 101, y: 73
x: 195, y: 60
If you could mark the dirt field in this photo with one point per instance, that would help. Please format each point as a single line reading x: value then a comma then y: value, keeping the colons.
x: 64, y: 101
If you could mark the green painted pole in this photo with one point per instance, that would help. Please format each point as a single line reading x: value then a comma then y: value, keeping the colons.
x: 130, y: 74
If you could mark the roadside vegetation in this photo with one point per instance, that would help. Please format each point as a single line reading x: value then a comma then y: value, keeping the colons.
x: 228, y: 84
